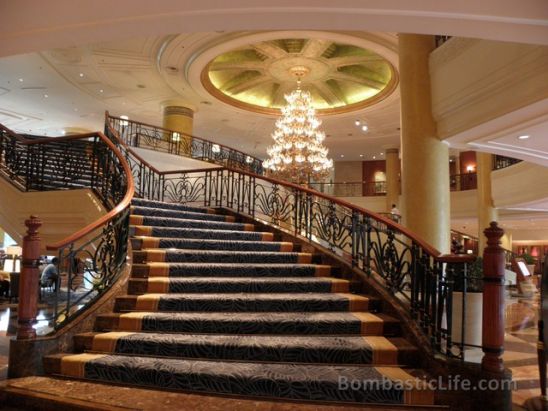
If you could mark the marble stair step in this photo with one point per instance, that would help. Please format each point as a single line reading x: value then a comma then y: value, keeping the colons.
x: 237, y: 285
x: 201, y: 233
x: 292, y: 323
x: 181, y: 255
x: 147, y: 242
x: 230, y: 270
x: 371, y: 350
x: 247, y: 302
x: 270, y: 380
x: 188, y: 223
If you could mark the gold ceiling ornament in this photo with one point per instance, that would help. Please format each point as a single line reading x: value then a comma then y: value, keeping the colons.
x: 341, y: 77
x: 298, y: 154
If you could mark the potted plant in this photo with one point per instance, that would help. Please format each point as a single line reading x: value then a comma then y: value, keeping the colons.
x: 529, y: 261
x: 473, y: 300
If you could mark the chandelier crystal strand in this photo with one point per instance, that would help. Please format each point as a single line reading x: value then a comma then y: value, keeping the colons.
x: 298, y: 154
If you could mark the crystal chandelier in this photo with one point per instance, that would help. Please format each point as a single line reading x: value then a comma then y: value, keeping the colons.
x: 298, y: 154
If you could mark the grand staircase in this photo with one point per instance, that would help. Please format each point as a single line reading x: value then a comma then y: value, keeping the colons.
x: 216, y: 306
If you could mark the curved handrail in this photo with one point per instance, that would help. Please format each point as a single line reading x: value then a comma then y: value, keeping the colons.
x: 130, y: 190
x: 126, y: 200
x: 439, y: 256
x: 108, y: 117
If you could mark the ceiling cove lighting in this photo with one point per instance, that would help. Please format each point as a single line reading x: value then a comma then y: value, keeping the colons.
x: 298, y: 154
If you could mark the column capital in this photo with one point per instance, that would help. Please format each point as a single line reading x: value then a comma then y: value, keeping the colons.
x: 177, y: 102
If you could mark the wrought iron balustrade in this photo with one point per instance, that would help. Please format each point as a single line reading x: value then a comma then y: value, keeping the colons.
x: 141, y: 135
x: 419, y: 277
x: 91, y: 259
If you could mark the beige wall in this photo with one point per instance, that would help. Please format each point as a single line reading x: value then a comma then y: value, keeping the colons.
x: 62, y: 212
x: 474, y: 81
x: 348, y: 171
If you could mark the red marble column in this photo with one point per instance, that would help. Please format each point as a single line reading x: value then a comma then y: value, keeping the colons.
x: 493, y: 300
x: 29, y: 280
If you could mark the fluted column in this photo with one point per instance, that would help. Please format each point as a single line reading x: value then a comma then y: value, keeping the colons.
x: 486, y: 207
x: 392, y: 178
x: 425, y: 159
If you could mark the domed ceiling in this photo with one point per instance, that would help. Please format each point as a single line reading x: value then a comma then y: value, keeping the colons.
x: 340, y: 77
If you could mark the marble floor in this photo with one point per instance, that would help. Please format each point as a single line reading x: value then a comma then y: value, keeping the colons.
x: 520, y: 343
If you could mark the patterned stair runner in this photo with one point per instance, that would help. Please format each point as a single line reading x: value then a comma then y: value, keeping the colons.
x: 216, y: 306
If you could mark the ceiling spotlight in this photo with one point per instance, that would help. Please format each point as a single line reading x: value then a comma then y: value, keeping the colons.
x: 46, y: 96
x: 21, y: 80
x: 342, y: 155
x: 374, y: 157
x: 364, y: 128
x: 100, y: 91
x: 81, y: 74
x: 361, y: 155
x: 523, y: 137
x: 382, y: 154
x: 357, y: 122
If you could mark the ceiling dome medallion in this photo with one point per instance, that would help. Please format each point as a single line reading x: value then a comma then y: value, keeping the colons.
x: 339, y: 77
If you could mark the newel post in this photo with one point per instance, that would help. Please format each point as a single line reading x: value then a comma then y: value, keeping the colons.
x: 29, y: 280
x: 493, y: 300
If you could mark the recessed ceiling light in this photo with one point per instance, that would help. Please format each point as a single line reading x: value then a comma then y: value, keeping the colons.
x: 100, y: 91
x: 357, y: 122
x: 361, y: 155
x: 364, y: 128
x: 75, y: 109
x: 342, y: 155
x: 523, y: 137
x: 382, y: 154
x: 374, y: 157
x: 21, y: 80
x: 46, y: 96
x: 81, y: 74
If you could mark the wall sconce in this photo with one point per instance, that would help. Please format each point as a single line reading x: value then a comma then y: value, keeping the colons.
x: 470, y: 168
x: 12, y: 264
x: 124, y: 121
x: 216, y: 148
x: 175, y: 136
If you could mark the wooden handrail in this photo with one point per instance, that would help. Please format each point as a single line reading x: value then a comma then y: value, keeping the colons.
x: 130, y: 189
x: 121, y: 206
x: 107, y: 115
x: 439, y: 256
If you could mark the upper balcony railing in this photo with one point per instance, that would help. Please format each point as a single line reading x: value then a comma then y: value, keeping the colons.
x: 141, y: 135
x: 91, y: 259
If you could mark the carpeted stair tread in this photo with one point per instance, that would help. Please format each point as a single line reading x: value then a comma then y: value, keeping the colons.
x: 321, y: 349
x: 180, y: 232
x: 182, y: 255
x: 146, y: 242
x: 160, y: 269
x: 238, y: 285
x: 193, y: 215
x: 188, y: 223
x: 287, y: 323
x: 141, y: 202
x: 295, y: 381
x: 247, y: 302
